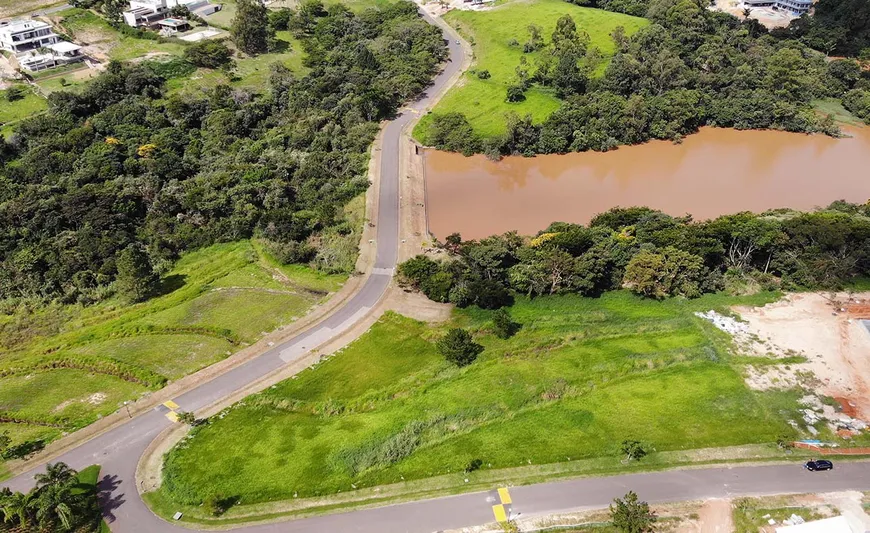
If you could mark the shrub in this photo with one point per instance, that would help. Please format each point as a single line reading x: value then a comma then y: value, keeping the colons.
x: 515, y: 93
x: 453, y: 132
x: 14, y: 93
x: 209, y: 54
x: 458, y: 347
x: 385, y: 452
x: 633, y: 449
x: 437, y: 287
x: 484, y: 74
x: 416, y: 271
x: 475, y: 464
x: 291, y: 252
x: 503, y: 324
x: 337, y: 253
x: 218, y: 504
x: 629, y: 515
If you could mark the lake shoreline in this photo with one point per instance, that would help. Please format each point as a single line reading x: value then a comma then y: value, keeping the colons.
x: 713, y: 172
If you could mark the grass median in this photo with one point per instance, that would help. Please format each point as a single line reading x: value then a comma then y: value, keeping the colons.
x: 581, y: 376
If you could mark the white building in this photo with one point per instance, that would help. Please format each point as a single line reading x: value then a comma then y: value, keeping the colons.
x: 837, y: 524
x: 20, y: 36
x: 150, y: 12
x: 36, y: 46
x: 794, y: 7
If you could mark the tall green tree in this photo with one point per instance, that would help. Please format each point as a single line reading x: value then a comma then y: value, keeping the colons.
x: 56, y: 474
x: 669, y: 272
x: 250, y: 28
x: 630, y: 515
x: 458, y: 347
x: 136, y: 278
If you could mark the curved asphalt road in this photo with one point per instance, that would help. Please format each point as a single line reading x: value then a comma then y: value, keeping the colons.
x: 118, y: 450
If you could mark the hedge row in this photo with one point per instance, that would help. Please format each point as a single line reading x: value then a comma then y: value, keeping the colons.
x: 88, y: 363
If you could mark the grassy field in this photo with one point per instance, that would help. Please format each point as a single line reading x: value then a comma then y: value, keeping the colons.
x: 31, y: 104
x: 250, y: 72
x: 832, y: 106
x: 749, y: 513
x: 580, y: 376
x: 483, y: 101
x: 85, y: 26
x: 215, y: 301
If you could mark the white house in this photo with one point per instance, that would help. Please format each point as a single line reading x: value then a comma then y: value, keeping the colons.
x: 794, y: 7
x: 36, y: 46
x: 150, y: 12
x: 20, y: 36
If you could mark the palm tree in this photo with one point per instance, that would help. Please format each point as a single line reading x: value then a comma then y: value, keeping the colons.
x: 17, y: 506
x: 54, y: 506
x: 55, y: 474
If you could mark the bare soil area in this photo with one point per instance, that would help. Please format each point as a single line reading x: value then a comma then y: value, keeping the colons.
x: 715, y: 517
x: 11, y: 8
x: 824, y: 328
x: 770, y: 18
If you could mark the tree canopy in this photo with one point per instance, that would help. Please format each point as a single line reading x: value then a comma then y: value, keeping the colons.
x: 654, y: 255
x: 122, y: 164
x: 691, y: 67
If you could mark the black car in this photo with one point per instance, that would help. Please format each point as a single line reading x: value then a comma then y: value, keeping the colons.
x: 819, y: 464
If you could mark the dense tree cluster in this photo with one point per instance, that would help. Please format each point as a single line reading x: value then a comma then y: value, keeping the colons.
x: 691, y: 67
x: 653, y: 254
x: 209, y: 53
x: 841, y: 27
x: 56, y: 503
x: 121, y: 163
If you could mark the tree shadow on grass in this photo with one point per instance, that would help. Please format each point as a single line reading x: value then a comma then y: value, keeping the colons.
x: 170, y: 284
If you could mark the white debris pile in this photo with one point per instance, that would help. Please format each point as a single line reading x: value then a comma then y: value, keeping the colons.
x: 793, y: 520
x: 725, y: 323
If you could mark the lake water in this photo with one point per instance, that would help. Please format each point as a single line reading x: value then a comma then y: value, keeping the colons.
x: 714, y: 172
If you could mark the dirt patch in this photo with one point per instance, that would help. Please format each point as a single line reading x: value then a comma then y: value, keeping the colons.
x: 417, y: 306
x: 97, y: 398
x: 715, y: 517
x: 848, y: 406
x: 820, y: 328
x: 770, y: 18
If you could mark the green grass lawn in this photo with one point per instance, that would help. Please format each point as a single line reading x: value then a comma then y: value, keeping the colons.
x: 85, y: 26
x: 250, y: 72
x: 216, y: 300
x: 832, y: 106
x: 31, y: 104
x: 580, y: 376
x: 483, y: 101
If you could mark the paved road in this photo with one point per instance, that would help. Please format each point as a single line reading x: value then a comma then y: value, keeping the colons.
x: 118, y: 451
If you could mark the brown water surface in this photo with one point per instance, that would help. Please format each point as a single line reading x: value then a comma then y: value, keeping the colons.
x: 714, y: 172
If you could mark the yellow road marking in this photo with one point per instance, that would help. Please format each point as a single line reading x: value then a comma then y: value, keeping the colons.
x: 498, y: 511
x: 504, y: 496
x: 171, y: 405
x: 172, y: 415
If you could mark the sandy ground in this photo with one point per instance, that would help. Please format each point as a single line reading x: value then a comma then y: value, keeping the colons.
x: 770, y: 18
x: 14, y: 8
x: 715, y: 517
x: 824, y: 329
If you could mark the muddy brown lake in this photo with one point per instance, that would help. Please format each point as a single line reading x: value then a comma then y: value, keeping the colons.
x: 714, y: 172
